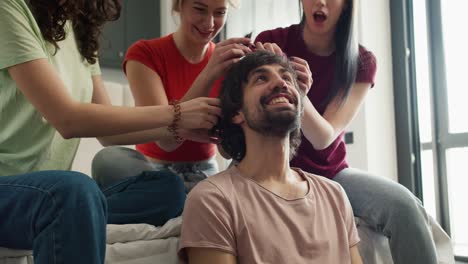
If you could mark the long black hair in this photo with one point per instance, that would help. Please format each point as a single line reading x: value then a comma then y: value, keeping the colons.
x: 346, y: 53
x: 87, y: 18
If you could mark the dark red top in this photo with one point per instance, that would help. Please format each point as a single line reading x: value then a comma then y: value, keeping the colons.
x: 177, y: 75
x: 327, y: 162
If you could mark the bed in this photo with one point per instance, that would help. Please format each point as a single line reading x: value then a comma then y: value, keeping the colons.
x: 146, y: 244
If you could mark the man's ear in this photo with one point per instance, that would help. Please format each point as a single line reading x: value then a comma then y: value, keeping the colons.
x: 238, y: 119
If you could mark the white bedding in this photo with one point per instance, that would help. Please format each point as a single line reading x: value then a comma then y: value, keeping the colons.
x: 146, y: 244
x: 143, y: 244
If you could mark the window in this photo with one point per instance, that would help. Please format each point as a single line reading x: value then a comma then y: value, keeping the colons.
x: 433, y: 122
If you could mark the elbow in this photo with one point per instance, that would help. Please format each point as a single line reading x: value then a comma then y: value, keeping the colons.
x: 321, y: 145
x: 105, y: 142
x: 167, y: 146
x: 65, y: 129
x: 325, y: 139
x: 67, y: 133
x: 67, y: 124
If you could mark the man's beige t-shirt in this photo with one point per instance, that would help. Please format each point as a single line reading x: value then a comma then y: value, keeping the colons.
x: 232, y: 213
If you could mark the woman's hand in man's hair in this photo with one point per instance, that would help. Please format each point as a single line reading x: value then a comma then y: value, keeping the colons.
x: 304, y: 75
x: 201, y: 112
x: 225, y: 54
x: 271, y: 47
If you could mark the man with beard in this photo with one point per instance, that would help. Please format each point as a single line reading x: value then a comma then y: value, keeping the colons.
x: 261, y: 210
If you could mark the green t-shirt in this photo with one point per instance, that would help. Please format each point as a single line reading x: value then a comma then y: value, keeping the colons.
x: 27, y: 141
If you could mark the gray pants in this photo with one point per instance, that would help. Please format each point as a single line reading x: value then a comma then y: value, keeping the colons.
x: 114, y: 164
x: 393, y: 210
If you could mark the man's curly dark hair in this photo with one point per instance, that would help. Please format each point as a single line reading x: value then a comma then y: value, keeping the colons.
x: 86, y: 16
x: 232, y: 95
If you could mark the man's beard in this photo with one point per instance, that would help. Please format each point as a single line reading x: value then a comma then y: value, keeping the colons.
x: 272, y: 123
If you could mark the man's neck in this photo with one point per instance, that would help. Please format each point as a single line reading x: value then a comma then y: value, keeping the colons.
x: 266, y: 159
x: 267, y: 163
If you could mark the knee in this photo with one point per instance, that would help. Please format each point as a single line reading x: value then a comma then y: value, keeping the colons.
x: 173, y: 190
x: 80, y: 189
x: 407, y: 208
x: 104, y: 166
x: 105, y: 157
x: 176, y: 196
x: 152, y: 198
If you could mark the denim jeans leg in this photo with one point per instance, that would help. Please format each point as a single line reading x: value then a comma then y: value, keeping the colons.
x: 60, y: 215
x: 153, y: 197
x: 392, y: 209
x: 193, y: 172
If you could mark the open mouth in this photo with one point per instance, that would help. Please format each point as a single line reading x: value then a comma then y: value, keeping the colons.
x: 320, y: 17
x: 279, y: 99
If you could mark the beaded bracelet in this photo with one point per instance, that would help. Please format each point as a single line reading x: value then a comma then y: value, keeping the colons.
x: 174, y: 127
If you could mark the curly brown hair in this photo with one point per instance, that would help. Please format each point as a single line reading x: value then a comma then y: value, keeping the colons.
x: 87, y: 18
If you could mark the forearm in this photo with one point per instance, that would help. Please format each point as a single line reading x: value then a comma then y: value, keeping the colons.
x: 201, y: 87
x: 355, y: 256
x: 317, y: 130
x: 94, y: 120
x: 139, y: 137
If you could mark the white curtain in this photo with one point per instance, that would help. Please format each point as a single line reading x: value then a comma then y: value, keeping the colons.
x: 255, y: 16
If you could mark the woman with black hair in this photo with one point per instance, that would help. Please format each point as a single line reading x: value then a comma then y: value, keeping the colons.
x: 324, y: 46
x: 51, y: 94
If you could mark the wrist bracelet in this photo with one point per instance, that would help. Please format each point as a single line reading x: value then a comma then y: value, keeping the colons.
x: 174, y: 127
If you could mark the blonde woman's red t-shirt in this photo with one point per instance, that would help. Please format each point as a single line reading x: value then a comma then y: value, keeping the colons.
x: 177, y: 75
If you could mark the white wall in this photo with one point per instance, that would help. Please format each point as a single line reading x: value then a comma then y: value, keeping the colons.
x: 378, y: 111
x: 168, y: 21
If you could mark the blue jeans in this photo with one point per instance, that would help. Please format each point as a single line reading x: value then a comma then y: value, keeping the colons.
x: 114, y: 164
x: 191, y: 172
x: 135, y: 192
x: 393, y: 210
x: 151, y: 197
x: 61, y: 215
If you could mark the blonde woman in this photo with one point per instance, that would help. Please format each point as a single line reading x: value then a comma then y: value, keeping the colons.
x: 180, y: 66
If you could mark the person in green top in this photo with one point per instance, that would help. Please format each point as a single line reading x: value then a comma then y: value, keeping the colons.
x: 51, y: 94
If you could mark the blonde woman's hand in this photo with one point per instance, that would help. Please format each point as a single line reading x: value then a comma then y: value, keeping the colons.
x: 304, y: 75
x: 225, y: 54
x: 201, y: 112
